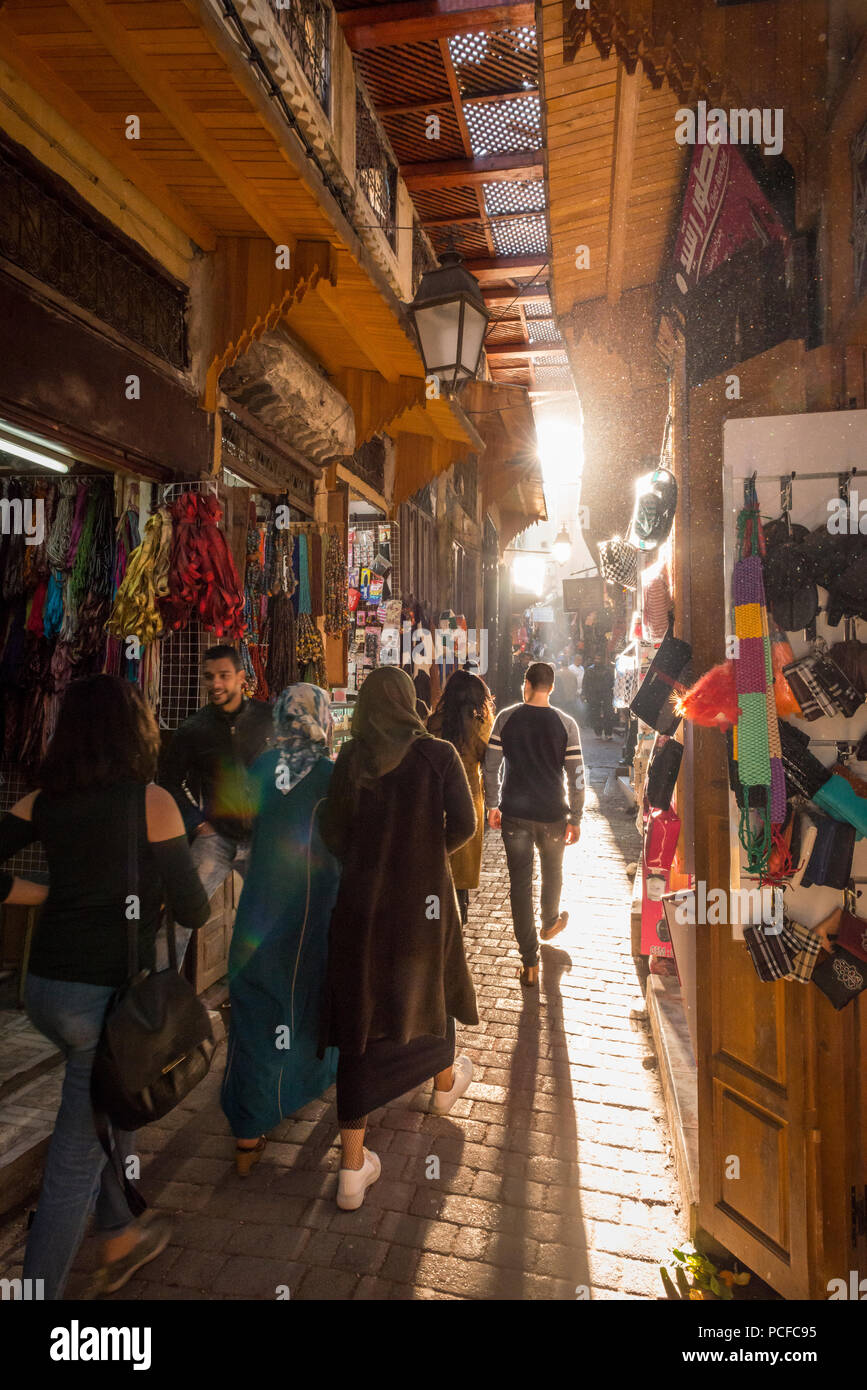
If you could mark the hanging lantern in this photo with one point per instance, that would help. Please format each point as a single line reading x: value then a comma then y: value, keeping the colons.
x: 562, y: 547
x: 450, y: 318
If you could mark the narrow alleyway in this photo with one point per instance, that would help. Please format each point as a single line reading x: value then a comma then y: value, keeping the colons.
x: 554, y: 1171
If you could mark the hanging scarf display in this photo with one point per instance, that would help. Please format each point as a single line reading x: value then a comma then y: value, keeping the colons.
x: 14, y: 544
x: 336, y: 595
x: 282, y: 668
x: 311, y: 651
x: 279, y: 573
x: 203, y: 577
x: 316, y: 608
x: 303, y: 575
x: 58, y: 540
x: 757, y: 748
x: 136, y: 612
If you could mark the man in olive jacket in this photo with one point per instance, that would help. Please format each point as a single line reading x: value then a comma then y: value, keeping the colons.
x: 205, y: 768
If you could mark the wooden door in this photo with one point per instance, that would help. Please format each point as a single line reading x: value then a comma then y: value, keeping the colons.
x: 758, y: 1155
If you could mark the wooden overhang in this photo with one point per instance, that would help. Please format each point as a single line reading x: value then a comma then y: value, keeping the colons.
x: 216, y: 154
x: 456, y: 86
x: 614, y: 76
x: 510, y: 472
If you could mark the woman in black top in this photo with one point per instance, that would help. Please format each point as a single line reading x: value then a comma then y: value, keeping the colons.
x: 95, y: 790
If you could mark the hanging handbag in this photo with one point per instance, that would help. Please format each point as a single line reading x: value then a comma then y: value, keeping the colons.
x: 852, y: 934
x: 655, y: 702
x: 820, y: 687
x: 655, y: 602
x: 839, y: 799
x: 156, y: 1043
x: 841, y: 976
x: 618, y: 561
x: 662, y: 773
x: 627, y: 678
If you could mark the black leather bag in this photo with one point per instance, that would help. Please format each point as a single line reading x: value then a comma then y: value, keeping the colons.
x: 156, y: 1044
x: 662, y: 772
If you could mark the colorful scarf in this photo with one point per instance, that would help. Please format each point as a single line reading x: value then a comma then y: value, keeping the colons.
x: 302, y: 723
x: 757, y: 747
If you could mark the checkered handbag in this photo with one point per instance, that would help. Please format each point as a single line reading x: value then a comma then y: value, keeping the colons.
x: 618, y: 561
x: 821, y: 687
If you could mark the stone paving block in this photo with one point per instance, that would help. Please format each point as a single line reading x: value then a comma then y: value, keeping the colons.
x: 554, y: 1168
x: 331, y: 1284
x: 274, y: 1242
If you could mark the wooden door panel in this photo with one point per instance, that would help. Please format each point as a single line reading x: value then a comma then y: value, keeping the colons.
x: 749, y: 1025
x: 759, y: 1140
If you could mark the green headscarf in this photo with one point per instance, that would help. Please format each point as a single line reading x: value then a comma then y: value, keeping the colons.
x: 385, y: 723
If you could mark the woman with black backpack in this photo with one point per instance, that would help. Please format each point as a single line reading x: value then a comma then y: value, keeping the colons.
x: 104, y: 826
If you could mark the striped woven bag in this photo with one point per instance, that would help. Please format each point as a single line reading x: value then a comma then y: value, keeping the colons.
x: 757, y: 747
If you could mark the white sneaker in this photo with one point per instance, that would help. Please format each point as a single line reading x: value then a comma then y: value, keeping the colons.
x: 444, y: 1100
x: 354, y: 1182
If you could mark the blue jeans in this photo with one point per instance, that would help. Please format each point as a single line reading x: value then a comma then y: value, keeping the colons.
x: 78, y: 1177
x: 519, y: 839
x: 214, y: 856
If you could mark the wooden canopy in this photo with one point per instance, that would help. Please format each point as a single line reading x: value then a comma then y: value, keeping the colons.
x: 456, y: 86
x: 214, y: 152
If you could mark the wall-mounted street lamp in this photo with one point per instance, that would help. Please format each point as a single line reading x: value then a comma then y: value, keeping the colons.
x: 562, y: 547
x: 450, y: 318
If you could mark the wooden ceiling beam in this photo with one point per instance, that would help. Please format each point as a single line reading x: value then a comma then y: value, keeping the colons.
x: 410, y: 108
x: 384, y: 26
x: 625, y: 130
x: 140, y: 66
x: 504, y: 299
x: 499, y: 353
x: 120, y: 152
x: 465, y: 219
x: 491, y: 168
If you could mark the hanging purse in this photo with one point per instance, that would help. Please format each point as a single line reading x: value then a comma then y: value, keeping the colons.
x: 820, y: 687
x: 618, y: 561
x: 655, y: 702
x: 852, y: 934
x: 156, y: 1043
x: 655, y: 602
x: 662, y: 773
x: 841, y: 976
x: 840, y: 799
x: 627, y: 678
x: 830, y: 863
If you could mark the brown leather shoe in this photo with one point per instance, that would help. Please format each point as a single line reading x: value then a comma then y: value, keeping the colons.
x: 529, y: 975
x: 548, y: 933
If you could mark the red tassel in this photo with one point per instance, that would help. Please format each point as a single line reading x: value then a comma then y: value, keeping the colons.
x: 713, y: 700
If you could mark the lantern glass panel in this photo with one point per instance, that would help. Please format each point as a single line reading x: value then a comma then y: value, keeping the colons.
x: 437, y: 326
x: 475, y: 323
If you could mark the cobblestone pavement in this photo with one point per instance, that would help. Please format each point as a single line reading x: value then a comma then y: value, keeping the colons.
x: 555, y: 1173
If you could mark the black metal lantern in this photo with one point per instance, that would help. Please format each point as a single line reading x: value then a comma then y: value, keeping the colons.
x: 450, y: 319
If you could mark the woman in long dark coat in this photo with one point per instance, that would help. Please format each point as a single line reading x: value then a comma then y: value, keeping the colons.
x: 398, y: 804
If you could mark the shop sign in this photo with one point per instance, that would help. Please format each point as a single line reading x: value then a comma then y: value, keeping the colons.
x: 542, y: 614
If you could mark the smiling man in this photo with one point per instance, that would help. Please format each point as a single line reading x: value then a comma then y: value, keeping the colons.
x: 205, y: 769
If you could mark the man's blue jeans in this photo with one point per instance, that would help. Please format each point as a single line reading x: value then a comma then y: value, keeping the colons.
x: 519, y: 839
x: 214, y: 856
x: 78, y: 1177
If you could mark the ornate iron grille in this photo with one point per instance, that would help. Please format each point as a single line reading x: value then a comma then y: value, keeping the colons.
x: 422, y: 257
x: 376, y: 171
x: 307, y: 26
x: 46, y: 235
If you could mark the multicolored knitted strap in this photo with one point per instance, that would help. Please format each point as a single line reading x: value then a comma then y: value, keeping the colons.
x: 757, y: 739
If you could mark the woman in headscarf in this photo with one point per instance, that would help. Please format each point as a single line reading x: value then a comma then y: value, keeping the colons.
x: 399, y: 803
x: 280, y: 940
x: 465, y: 716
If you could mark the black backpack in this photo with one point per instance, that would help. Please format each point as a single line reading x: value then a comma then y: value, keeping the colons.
x: 156, y: 1043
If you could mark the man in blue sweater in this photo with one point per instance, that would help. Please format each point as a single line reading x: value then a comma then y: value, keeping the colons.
x: 540, y: 746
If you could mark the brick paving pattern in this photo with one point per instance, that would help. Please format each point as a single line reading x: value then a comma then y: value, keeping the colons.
x: 550, y: 1179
